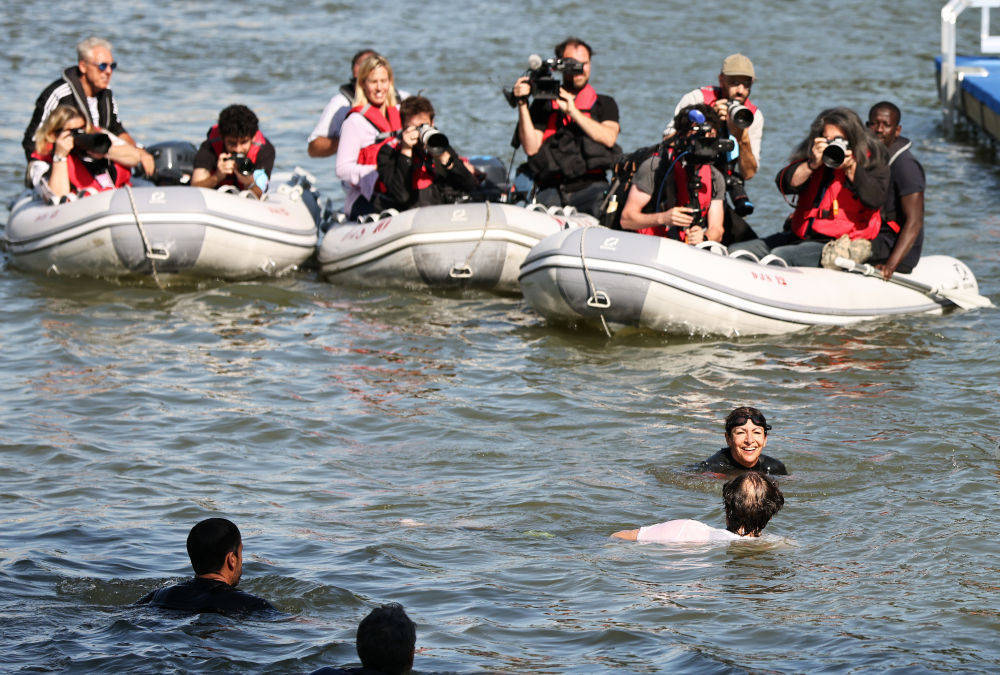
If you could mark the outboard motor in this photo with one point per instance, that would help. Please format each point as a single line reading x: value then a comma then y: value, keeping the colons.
x: 174, y: 162
x: 494, y: 178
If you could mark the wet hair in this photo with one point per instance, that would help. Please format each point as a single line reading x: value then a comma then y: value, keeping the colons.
x: 572, y: 42
x: 85, y: 48
x: 744, y: 414
x: 683, y: 123
x: 868, y: 150
x: 892, y: 108
x: 358, y: 54
x: 413, y: 106
x: 47, y: 131
x: 386, y: 640
x: 750, y: 500
x: 370, y: 64
x: 237, y: 121
x: 209, y: 542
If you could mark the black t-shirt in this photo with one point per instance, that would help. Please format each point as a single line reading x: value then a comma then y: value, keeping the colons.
x: 906, y: 177
x: 205, y: 595
x: 723, y: 462
x: 207, y: 159
x: 605, y: 109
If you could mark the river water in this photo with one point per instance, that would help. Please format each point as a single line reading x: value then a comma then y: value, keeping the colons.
x: 455, y: 453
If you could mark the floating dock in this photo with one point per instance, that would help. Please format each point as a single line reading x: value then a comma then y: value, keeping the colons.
x: 969, y: 86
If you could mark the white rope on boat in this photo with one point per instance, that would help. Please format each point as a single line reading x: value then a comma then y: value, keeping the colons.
x: 598, y: 299
x: 464, y: 271
x: 152, y: 255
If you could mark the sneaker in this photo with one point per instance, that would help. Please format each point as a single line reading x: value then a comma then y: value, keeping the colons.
x: 838, y: 248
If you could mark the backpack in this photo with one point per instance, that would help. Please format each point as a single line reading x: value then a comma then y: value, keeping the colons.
x: 610, y: 213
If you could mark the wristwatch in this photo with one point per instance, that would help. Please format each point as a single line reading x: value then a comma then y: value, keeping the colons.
x: 56, y: 158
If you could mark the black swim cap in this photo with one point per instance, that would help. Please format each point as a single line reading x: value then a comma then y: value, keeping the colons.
x: 742, y: 415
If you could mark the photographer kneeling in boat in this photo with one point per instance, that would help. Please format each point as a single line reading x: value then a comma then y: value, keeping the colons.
x: 746, y: 438
x: 74, y: 157
x: 215, y: 547
x: 235, y: 153
x: 417, y: 166
x: 688, y: 189
x: 568, y: 132
x: 840, y: 178
x: 750, y: 500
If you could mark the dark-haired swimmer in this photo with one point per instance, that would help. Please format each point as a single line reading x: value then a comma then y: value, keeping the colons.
x: 750, y: 500
x: 746, y: 438
x: 216, y: 550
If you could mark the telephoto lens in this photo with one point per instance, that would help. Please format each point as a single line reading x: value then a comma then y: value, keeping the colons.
x: 835, y: 152
x: 433, y: 140
x: 741, y: 115
x: 98, y: 143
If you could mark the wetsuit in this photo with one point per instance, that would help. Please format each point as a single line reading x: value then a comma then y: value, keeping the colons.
x: 723, y: 462
x: 205, y: 595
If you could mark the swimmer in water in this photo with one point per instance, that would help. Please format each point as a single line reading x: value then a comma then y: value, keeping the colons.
x: 750, y: 500
x: 216, y: 550
x: 746, y: 438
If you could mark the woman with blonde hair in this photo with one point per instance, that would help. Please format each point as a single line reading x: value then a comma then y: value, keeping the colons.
x: 375, y: 111
x: 64, y: 162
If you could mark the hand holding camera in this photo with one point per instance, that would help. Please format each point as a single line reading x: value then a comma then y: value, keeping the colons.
x: 834, y: 153
x: 97, y: 144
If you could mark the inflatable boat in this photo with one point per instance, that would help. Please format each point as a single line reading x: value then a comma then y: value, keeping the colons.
x: 468, y: 245
x: 168, y: 231
x: 614, y: 278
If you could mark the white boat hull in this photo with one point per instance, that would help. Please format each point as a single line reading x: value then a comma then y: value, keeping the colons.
x: 667, y: 286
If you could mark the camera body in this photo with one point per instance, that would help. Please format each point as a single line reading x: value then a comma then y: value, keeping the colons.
x: 244, y: 165
x: 836, y: 152
x: 434, y: 141
x: 702, y: 148
x: 98, y: 143
x: 541, y: 76
x: 735, y: 188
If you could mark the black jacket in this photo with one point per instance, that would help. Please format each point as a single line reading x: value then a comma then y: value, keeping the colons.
x: 67, y: 89
x: 396, y: 170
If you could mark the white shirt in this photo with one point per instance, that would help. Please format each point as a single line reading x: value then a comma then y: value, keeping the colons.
x: 684, y: 531
x: 357, y: 179
x: 755, y: 130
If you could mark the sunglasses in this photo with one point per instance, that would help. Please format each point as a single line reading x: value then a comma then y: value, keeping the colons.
x: 741, y: 420
x: 104, y: 65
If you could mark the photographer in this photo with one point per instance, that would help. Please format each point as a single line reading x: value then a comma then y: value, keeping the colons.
x: 688, y: 188
x: 71, y: 156
x: 569, y: 141
x: 235, y: 153
x: 417, y: 172
x: 840, y: 178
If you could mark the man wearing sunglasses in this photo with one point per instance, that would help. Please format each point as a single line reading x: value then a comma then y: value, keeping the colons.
x: 84, y: 86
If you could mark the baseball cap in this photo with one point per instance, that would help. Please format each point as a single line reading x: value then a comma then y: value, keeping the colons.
x: 737, y: 65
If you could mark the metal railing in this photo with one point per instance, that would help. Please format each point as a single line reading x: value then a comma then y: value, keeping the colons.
x: 950, y: 73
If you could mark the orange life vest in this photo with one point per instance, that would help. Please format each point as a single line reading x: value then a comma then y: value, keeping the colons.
x: 80, y: 178
x: 584, y: 101
x: 392, y: 122
x: 680, y: 179
x: 836, y: 212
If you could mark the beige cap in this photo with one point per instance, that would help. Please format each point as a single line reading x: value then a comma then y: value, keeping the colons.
x: 737, y: 65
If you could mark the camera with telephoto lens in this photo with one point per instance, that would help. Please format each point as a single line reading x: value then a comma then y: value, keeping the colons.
x: 98, y: 143
x: 244, y: 165
x: 544, y: 85
x: 699, y: 146
x: 737, y: 193
x: 741, y: 115
x: 836, y: 152
x: 434, y: 141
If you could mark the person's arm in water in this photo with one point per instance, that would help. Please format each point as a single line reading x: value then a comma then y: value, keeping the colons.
x: 629, y: 535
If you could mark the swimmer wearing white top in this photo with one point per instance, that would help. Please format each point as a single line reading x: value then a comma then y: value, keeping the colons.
x: 750, y: 500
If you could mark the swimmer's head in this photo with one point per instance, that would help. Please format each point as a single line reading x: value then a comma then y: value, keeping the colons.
x: 216, y: 547
x: 746, y: 435
x: 750, y: 500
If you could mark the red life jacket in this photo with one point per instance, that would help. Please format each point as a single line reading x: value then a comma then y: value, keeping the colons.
x: 219, y: 147
x: 683, y: 198
x: 369, y: 153
x: 584, y: 101
x: 838, y: 212
x: 80, y: 178
x: 713, y: 94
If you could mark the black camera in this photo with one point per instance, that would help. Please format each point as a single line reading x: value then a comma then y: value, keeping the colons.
x: 836, y: 152
x: 541, y: 75
x: 244, y: 165
x: 738, y: 195
x: 434, y: 141
x: 741, y: 115
x: 700, y: 148
x: 98, y: 143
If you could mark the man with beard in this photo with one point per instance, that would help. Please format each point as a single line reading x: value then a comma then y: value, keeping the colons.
x: 570, y: 141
